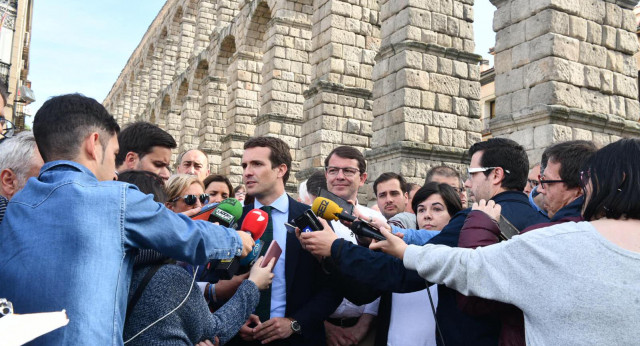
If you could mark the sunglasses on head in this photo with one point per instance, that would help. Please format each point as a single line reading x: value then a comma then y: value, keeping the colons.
x: 191, y: 199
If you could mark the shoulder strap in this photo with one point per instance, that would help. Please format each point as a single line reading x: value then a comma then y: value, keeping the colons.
x: 143, y: 284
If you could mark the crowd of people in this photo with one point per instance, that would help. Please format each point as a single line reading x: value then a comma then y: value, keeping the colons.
x: 98, y: 221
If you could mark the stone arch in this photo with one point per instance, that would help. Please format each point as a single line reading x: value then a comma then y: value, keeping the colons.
x: 254, y: 36
x: 206, y: 22
x: 189, y: 116
x: 165, y: 108
x: 225, y: 52
x: 146, y: 80
x: 190, y: 10
x: 135, y: 92
x: 186, y: 16
x: 210, y: 124
x: 183, y: 90
x: 118, y: 108
x: 127, y: 96
x: 171, y: 48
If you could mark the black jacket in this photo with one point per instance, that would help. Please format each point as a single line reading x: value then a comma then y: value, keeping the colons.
x: 387, y: 274
x: 310, y: 299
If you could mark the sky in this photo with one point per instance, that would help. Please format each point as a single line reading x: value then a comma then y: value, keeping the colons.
x: 83, y: 45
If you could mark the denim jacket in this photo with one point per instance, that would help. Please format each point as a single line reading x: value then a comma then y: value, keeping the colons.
x: 68, y: 242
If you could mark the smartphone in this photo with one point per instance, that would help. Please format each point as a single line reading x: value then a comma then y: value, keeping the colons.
x: 346, y: 207
x: 274, y: 251
x: 308, y: 222
x: 290, y: 228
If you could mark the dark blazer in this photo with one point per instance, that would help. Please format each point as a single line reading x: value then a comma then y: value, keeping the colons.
x: 310, y: 299
x: 388, y: 274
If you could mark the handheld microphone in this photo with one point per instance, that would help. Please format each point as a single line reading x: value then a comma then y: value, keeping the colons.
x: 330, y: 211
x: 255, y: 223
x: 205, y: 212
x: 226, y: 213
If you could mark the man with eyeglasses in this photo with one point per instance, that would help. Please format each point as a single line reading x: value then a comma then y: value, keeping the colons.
x: 498, y: 171
x: 447, y: 175
x: 560, y: 178
x: 560, y: 184
x: 345, y: 170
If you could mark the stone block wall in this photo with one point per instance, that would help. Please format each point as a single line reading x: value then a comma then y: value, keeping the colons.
x: 398, y: 79
x: 565, y: 70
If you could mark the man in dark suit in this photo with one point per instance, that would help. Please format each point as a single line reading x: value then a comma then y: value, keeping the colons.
x: 292, y: 311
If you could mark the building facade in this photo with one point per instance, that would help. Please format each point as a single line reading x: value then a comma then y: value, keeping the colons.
x: 15, y: 40
x: 397, y: 79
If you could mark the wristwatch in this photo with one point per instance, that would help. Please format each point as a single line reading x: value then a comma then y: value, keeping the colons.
x: 295, y: 326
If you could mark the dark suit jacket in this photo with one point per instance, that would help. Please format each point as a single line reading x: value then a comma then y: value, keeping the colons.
x: 310, y: 299
x: 387, y: 274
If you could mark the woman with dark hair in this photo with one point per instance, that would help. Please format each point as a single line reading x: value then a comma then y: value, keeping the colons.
x: 434, y: 205
x: 576, y: 283
x: 165, y: 305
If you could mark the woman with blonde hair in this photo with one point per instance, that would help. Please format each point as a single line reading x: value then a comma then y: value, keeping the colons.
x: 184, y: 192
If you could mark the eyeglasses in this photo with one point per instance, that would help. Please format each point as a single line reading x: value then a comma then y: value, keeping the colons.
x: 533, y: 182
x: 191, y: 199
x: 348, y: 172
x: 545, y: 183
x: 472, y: 171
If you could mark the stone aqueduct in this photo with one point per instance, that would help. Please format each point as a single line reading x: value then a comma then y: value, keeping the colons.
x: 395, y: 78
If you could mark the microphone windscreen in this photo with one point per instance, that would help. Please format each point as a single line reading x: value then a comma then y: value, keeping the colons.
x: 253, y: 255
x: 227, y: 212
x: 326, y: 208
x: 255, y: 222
x: 232, y: 206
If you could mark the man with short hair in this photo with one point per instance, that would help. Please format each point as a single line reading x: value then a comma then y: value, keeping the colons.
x: 19, y: 161
x: 346, y: 172
x: 564, y: 198
x: 145, y: 146
x: 194, y: 162
x: 316, y: 181
x: 498, y: 172
x: 77, y: 231
x: 560, y: 178
x: 447, y: 175
x: 391, y: 194
x: 291, y: 311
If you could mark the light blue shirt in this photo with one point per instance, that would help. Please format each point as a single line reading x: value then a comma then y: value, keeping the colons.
x: 68, y: 242
x: 279, y: 215
x: 413, y: 236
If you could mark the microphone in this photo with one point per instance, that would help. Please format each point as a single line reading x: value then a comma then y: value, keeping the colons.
x: 331, y: 211
x: 255, y: 223
x: 226, y: 213
x: 205, y: 212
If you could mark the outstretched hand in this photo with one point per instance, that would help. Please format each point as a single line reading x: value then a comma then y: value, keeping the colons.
x: 318, y: 242
x: 393, y: 246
